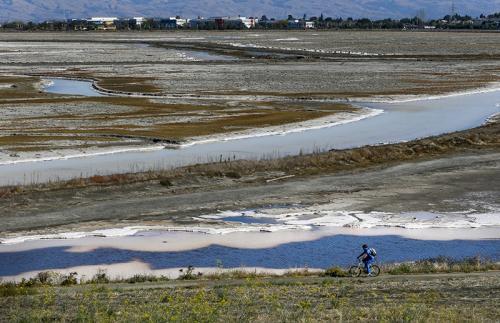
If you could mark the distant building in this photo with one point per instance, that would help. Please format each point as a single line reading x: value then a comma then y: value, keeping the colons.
x: 139, y: 21
x: 249, y: 22
x: 78, y: 24
x: 103, y: 23
x: 128, y: 24
x: 300, y: 24
x: 174, y: 23
x: 224, y: 23
x: 102, y: 20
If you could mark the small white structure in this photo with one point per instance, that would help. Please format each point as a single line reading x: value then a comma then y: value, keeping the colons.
x: 300, y: 24
x: 103, y: 23
x: 179, y: 22
x: 224, y: 22
x: 139, y: 21
x: 309, y: 24
x: 102, y: 20
x: 248, y: 22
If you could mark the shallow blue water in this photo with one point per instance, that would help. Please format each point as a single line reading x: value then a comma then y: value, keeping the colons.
x: 71, y: 87
x: 334, y: 250
x: 206, y: 56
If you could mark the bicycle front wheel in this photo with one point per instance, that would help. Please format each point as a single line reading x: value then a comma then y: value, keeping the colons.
x: 375, y: 270
x: 355, y: 271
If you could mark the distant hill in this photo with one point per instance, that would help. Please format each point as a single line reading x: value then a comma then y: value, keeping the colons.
x: 39, y: 10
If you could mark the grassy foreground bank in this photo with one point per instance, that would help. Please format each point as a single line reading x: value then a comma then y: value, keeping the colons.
x: 427, y: 298
x: 437, y: 295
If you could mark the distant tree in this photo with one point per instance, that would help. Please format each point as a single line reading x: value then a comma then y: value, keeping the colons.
x: 421, y: 15
x: 280, y: 24
x: 18, y: 25
x: 321, y: 18
x: 290, y: 17
x: 148, y: 24
x: 364, y: 23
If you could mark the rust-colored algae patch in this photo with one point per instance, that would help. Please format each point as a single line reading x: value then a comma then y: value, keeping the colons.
x: 35, y: 143
x: 41, y: 138
x: 19, y: 87
x: 129, y: 84
x: 218, y: 122
x: 233, y: 123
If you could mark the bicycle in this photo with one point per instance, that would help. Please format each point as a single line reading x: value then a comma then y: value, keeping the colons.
x: 356, y: 271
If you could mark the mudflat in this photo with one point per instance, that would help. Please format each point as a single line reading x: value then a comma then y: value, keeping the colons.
x: 272, y: 78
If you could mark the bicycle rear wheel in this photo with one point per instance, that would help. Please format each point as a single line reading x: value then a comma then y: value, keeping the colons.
x: 375, y: 270
x: 355, y: 271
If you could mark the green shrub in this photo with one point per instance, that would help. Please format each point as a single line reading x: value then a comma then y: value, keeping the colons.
x: 12, y: 289
x: 166, y: 182
x: 100, y: 277
x: 233, y: 175
x: 404, y: 268
x: 69, y: 279
x: 213, y: 173
x: 188, y: 274
x: 335, y: 272
x: 443, y: 265
x: 145, y: 278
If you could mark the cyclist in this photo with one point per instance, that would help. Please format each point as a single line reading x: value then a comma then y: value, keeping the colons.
x: 367, y: 257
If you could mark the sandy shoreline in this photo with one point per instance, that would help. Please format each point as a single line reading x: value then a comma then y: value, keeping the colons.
x: 486, y: 226
x: 277, y: 219
x: 492, y: 87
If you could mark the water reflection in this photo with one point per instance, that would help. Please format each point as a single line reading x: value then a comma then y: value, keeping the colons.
x: 321, y: 253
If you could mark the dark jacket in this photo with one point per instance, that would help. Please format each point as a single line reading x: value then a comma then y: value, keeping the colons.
x: 366, y: 255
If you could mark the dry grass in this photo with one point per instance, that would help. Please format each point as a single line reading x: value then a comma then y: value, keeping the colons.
x: 24, y: 87
x: 215, y: 118
x: 412, y: 86
x: 432, y: 299
x: 38, y: 139
x: 441, y: 265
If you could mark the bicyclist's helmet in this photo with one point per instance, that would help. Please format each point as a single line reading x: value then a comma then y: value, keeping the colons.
x: 365, y: 246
